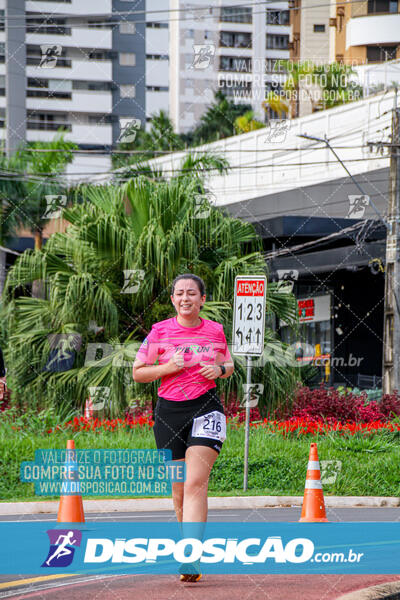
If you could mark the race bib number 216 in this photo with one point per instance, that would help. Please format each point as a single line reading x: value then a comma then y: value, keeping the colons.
x: 212, y: 425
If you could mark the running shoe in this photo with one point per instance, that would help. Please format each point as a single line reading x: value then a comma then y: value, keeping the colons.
x: 190, y: 572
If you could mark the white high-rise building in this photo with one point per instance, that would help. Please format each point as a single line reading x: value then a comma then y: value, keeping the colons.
x: 225, y: 46
x: 72, y: 64
x: 157, y: 57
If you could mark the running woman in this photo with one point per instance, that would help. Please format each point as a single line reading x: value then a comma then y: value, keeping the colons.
x: 189, y: 417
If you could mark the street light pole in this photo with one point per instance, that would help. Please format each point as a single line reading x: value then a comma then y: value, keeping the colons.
x: 391, y: 328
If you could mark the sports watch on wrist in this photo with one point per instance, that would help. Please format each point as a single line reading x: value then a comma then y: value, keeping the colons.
x: 223, y: 370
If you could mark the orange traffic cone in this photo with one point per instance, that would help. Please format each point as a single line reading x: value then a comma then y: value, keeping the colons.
x: 313, y: 510
x: 71, y: 507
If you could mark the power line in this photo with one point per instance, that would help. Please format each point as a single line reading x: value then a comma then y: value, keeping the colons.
x: 177, y: 150
x: 145, y: 170
x: 185, y: 10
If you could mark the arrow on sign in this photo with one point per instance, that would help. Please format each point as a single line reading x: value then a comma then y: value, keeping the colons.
x: 238, y: 332
x: 258, y: 333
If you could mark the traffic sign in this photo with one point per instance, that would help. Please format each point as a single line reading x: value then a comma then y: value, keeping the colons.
x: 249, y: 315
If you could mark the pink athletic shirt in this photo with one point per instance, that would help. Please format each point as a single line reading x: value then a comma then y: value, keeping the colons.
x: 204, y: 343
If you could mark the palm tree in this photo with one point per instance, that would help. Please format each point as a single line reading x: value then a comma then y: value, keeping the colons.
x: 149, y: 144
x: 218, y: 121
x: 155, y: 230
x: 247, y: 122
x: 44, y: 164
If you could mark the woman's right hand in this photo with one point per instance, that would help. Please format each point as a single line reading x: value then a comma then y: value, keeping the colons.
x: 176, y: 363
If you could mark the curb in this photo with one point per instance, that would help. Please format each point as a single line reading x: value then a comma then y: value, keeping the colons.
x: 228, y: 502
x: 383, y: 591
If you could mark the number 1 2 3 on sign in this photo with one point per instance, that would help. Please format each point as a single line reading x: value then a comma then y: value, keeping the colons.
x: 249, y: 315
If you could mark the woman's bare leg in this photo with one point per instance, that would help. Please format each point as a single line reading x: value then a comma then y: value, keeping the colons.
x: 199, y: 462
x: 177, y: 496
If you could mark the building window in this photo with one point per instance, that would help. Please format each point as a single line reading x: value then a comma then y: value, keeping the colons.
x: 34, y: 56
x: 382, y: 6
x: 157, y: 25
x: 277, y: 42
x: 235, y: 40
x: 381, y: 53
x: 319, y: 28
x: 127, y: 91
x: 99, y: 119
x: 277, y: 17
x: 156, y: 56
x: 239, y: 14
x: 95, y: 86
x: 238, y: 89
x: 127, y: 59
x: 47, y: 25
x: 157, y: 88
x: 46, y: 122
x: 232, y: 63
x: 190, y: 33
x: 99, y: 25
x: 100, y: 55
x: 127, y: 27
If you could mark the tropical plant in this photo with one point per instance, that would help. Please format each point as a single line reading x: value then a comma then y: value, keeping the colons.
x: 247, y: 122
x: 155, y: 230
x: 148, y: 144
x: 44, y: 164
x: 274, y: 102
x: 218, y: 121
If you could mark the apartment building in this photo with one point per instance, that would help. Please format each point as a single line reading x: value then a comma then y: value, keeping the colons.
x: 227, y: 46
x: 157, y: 57
x: 365, y: 35
x: 75, y: 64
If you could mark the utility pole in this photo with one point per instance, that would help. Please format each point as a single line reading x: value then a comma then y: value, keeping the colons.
x: 391, y: 327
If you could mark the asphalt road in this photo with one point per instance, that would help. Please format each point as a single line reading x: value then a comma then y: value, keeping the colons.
x: 168, y: 587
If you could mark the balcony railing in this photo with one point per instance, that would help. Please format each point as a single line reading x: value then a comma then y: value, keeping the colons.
x: 49, y: 94
x: 42, y: 126
x: 35, y: 61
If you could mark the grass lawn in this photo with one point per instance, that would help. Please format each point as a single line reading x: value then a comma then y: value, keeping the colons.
x: 277, y: 464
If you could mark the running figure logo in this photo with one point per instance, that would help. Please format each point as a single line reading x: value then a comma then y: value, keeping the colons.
x: 62, y: 547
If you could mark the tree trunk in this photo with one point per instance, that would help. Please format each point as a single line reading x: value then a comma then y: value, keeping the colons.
x: 38, y: 284
x: 2, y: 270
x: 38, y: 239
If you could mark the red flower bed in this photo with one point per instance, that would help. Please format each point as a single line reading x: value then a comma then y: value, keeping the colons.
x: 313, y: 427
x: 94, y: 424
x: 328, y: 403
x: 294, y: 426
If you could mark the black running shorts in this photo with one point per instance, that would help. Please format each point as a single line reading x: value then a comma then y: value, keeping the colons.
x: 197, y: 422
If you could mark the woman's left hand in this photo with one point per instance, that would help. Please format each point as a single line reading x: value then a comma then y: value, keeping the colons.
x: 210, y: 371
